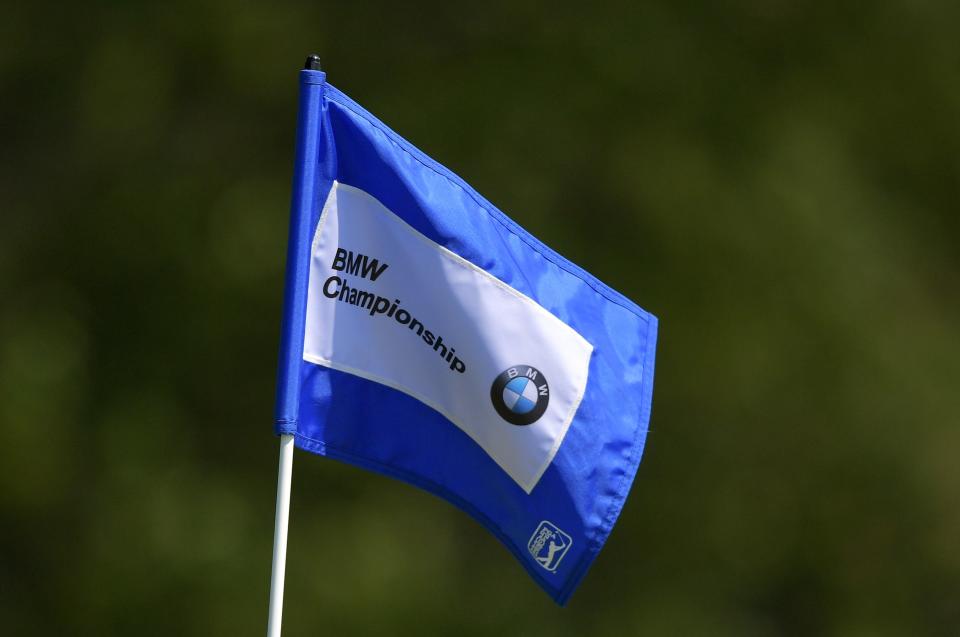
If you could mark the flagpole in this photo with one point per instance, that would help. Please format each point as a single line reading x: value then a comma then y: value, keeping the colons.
x: 284, y: 478
x: 303, y: 202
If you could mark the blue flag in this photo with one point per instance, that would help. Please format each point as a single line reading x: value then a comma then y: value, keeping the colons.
x: 428, y: 337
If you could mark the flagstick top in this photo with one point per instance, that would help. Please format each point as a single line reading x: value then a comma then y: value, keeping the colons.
x: 312, y: 63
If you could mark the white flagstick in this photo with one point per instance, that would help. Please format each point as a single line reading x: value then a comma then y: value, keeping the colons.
x: 280, y: 535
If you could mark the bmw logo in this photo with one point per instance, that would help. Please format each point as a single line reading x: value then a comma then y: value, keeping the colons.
x: 520, y: 395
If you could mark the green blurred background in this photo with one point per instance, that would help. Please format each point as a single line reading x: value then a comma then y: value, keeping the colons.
x: 778, y: 183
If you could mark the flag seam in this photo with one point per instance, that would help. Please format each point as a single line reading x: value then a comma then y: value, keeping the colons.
x: 643, y: 425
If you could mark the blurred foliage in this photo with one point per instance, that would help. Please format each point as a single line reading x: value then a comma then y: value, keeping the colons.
x: 777, y: 181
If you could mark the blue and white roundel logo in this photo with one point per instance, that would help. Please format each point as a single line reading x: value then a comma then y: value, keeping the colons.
x: 520, y: 394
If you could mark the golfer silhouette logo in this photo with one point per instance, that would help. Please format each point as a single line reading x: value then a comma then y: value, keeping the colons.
x: 548, y: 545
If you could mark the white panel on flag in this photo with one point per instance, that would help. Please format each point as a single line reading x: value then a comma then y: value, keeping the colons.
x: 390, y: 305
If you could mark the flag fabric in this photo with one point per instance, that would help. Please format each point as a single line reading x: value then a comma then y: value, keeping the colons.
x: 428, y: 337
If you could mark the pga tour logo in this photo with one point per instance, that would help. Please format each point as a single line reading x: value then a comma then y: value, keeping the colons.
x: 548, y: 545
x: 520, y: 394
